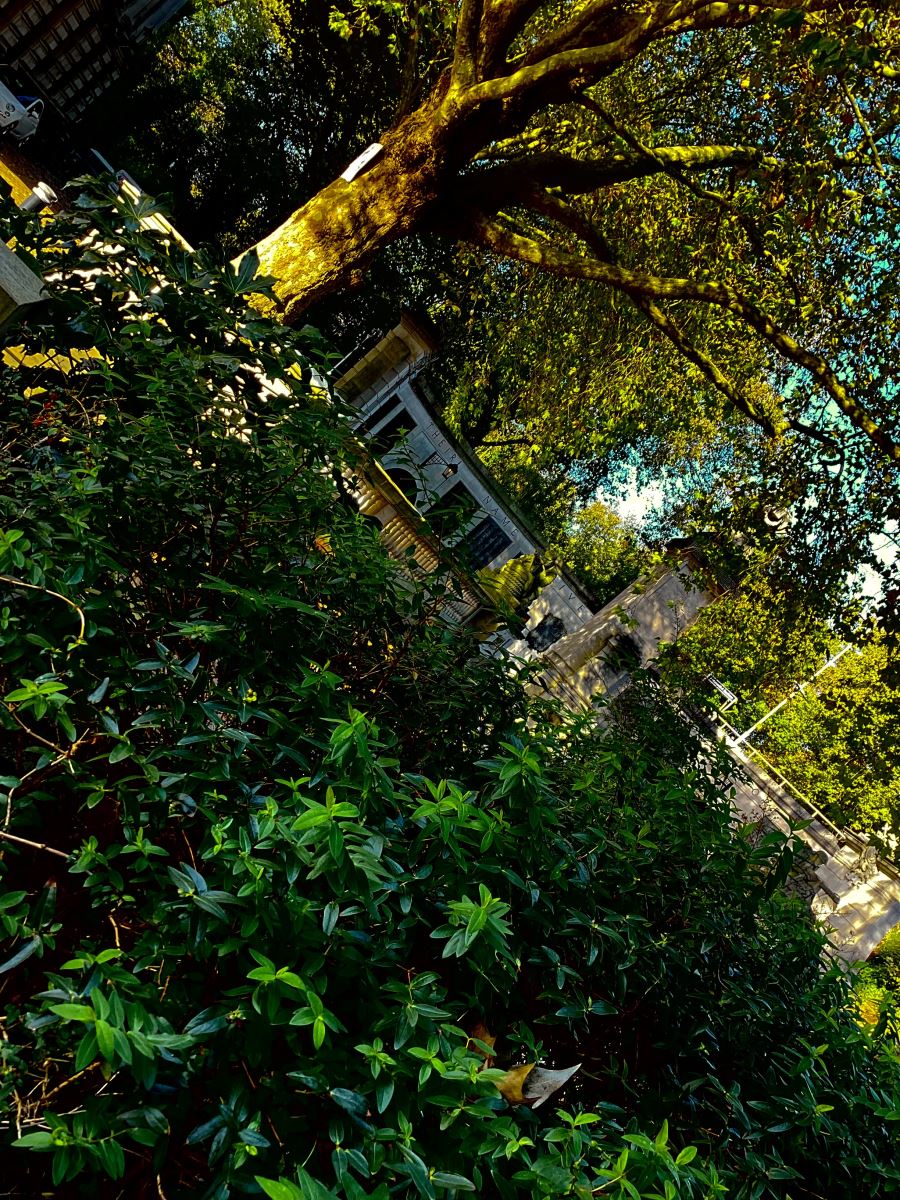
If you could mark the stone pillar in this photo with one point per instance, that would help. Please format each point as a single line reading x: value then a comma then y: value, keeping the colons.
x: 19, y: 286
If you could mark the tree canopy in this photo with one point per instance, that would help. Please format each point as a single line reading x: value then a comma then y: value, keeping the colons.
x: 650, y: 235
x: 836, y: 741
x: 552, y: 137
x: 295, y: 880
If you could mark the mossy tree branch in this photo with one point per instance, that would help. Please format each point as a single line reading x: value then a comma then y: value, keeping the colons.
x: 642, y: 287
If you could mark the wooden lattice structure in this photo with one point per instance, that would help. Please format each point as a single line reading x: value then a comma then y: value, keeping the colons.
x: 70, y: 51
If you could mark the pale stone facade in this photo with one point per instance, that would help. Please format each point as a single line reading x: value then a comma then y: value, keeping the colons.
x: 598, y: 658
x: 422, y: 471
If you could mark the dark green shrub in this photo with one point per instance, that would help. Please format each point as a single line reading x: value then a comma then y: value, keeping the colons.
x: 279, y: 854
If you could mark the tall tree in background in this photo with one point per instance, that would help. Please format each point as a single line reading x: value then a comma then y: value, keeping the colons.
x: 837, y: 740
x: 242, y: 109
x: 760, y: 639
x: 653, y: 233
x: 603, y: 550
x: 527, y: 145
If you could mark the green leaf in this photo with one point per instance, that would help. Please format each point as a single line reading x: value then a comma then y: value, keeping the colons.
x: 74, y: 1012
x: 105, y: 1039
x: 384, y: 1091
x: 263, y: 600
x: 208, y: 904
x: 330, y: 917
x: 246, y: 271
x: 351, y: 1102
x: 602, y: 1008
x: 99, y: 691
x: 459, y: 1182
x: 112, y: 1157
x: 279, y: 1189
x: 252, y: 1137
x: 311, y: 1189
x: 21, y: 955
x: 39, y: 1140
x: 284, y: 1189
x: 88, y: 1049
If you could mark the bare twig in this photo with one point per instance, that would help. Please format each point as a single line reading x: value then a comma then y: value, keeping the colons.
x: 31, y: 733
x: 66, y: 1082
x: 11, y: 837
x: 864, y: 126
x: 34, y: 587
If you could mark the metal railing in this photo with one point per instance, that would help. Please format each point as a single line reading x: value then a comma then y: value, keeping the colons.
x: 842, y: 833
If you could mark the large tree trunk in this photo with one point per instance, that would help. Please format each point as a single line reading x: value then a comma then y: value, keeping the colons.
x: 324, y: 246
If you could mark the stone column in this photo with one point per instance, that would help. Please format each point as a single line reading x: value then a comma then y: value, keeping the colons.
x: 19, y: 286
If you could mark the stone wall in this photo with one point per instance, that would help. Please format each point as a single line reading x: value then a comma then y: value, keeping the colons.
x: 597, y: 658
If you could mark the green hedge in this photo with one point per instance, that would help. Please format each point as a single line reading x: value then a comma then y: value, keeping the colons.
x: 281, y: 850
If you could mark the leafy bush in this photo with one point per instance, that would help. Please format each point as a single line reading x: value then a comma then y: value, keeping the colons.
x: 882, y: 971
x: 284, y: 855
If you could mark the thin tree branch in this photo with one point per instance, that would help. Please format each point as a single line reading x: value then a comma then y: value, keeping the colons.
x: 586, y: 64
x: 709, y: 368
x: 481, y: 229
x: 864, y: 126
x: 582, y: 27
x: 819, y: 435
x: 34, y: 587
x: 31, y: 733
x: 516, y: 441
x: 564, y: 214
x: 20, y: 841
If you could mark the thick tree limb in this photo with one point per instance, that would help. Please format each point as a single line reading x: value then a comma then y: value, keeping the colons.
x: 574, y: 58
x: 640, y: 285
x: 499, y: 185
x: 582, y: 65
x: 756, y: 239
x: 408, y: 73
x: 501, y: 23
x: 601, y: 22
x: 465, y: 50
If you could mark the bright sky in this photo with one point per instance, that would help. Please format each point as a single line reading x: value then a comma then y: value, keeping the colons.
x: 637, y: 503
